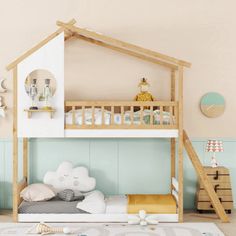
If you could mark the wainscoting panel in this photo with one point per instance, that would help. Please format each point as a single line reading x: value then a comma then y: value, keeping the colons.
x: 104, y: 164
x: 143, y: 166
x: 119, y: 165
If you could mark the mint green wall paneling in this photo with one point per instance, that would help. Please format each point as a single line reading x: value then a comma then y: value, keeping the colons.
x: 144, y: 166
x: 8, y: 165
x: 103, y: 164
x: 20, y: 160
x: 2, y: 174
x: 190, y: 177
x: 47, y: 154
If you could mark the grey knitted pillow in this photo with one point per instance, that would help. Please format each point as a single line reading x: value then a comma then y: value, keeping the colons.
x: 69, y: 195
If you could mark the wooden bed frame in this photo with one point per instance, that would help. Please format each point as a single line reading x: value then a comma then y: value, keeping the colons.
x: 122, y: 218
x: 174, y: 106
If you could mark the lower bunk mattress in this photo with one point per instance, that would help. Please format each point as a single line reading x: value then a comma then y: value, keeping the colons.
x: 119, y: 204
x: 54, y: 206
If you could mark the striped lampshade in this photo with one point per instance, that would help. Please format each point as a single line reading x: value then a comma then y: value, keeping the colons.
x: 214, y: 146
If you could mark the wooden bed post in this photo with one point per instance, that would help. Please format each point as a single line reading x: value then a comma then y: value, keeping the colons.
x: 15, y: 148
x: 172, y: 140
x: 180, y: 144
x: 25, y: 160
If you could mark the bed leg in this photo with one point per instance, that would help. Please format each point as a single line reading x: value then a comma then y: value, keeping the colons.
x: 15, y: 149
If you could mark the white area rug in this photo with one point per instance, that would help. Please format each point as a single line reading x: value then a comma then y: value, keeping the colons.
x: 168, y: 229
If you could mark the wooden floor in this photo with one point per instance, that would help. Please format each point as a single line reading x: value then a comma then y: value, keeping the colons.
x: 229, y: 229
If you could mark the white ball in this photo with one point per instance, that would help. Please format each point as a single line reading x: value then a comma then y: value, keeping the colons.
x: 66, y: 230
x: 142, y: 214
x: 143, y: 223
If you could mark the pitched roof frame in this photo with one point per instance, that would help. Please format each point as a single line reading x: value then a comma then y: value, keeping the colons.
x: 39, y: 45
x: 128, y: 52
x: 99, y: 39
x: 121, y: 44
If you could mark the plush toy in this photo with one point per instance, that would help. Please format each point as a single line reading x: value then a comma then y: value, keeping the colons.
x: 44, y: 229
x: 144, y: 94
x: 69, y: 177
x: 142, y: 219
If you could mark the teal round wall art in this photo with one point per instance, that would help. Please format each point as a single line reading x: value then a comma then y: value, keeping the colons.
x: 212, y: 104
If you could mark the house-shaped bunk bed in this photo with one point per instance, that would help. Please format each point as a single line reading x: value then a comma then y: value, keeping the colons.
x: 27, y: 123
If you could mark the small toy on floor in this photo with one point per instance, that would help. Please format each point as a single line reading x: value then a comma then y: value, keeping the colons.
x: 44, y: 229
x: 143, y: 219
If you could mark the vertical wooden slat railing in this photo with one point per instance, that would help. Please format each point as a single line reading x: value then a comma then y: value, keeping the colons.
x: 141, y: 115
x: 171, y: 115
x: 93, y: 116
x: 73, y: 115
x: 83, y: 115
x: 122, y: 115
x: 161, y: 115
x: 151, y: 115
x: 112, y: 115
x: 116, y: 107
x: 103, y: 116
x: 132, y: 115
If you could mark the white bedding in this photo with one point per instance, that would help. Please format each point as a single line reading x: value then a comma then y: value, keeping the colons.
x: 117, y: 117
x: 96, y: 203
x: 116, y: 204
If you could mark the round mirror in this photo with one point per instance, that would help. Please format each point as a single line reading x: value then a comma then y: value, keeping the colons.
x: 40, y: 85
x: 40, y: 77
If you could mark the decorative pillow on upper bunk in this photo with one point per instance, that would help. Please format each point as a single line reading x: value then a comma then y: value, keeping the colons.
x: 68, y: 177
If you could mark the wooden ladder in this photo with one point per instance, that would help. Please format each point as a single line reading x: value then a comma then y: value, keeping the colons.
x: 204, y: 178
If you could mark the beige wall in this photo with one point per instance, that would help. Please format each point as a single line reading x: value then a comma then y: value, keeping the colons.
x: 202, y: 32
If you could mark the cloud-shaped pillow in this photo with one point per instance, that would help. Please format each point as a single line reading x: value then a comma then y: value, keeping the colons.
x: 68, y: 177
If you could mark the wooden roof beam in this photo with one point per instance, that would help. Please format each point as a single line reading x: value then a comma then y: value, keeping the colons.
x: 122, y: 44
x: 128, y: 52
x: 38, y: 46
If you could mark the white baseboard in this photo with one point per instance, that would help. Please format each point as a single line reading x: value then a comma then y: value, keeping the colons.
x: 89, y: 217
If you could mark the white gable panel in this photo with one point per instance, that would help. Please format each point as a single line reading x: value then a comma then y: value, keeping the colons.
x: 50, y: 57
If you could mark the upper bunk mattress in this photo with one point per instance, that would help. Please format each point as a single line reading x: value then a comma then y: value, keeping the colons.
x: 54, y: 206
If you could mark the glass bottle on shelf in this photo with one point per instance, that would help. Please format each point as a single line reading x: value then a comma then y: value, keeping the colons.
x: 47, y: 94
x: 33, y: 92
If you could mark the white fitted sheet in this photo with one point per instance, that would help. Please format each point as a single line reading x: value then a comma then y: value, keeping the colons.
x: 116, y: 204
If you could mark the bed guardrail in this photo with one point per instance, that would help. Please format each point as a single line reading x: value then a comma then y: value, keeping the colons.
x: 121, y: 115
x: 20, y: 186
x: 175, y: 188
